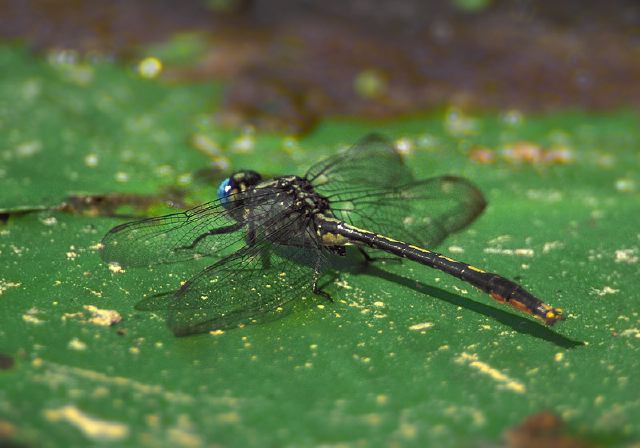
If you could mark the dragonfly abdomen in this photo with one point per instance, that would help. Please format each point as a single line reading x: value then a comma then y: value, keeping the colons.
x: 499, y: 288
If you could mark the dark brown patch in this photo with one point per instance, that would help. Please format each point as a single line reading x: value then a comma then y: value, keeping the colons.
x: 106, y: 204
x: 6, y: 361
x: 540, y: 430
x: 289, y: 63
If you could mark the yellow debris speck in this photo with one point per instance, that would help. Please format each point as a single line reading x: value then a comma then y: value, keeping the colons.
x: 625, y: 185
x: 626, y: 256
x: 152, y: 420
x: 4, y: 285
x: 228, y: 417
x: 121, y: 176
x: 49, y: 221
x: 206, y: 145
x: 404, y: 145
x: 343, y: 284
x: 408, y: 430
x: 150, y: 67
x: 493, y: 373
x: 103, y: 318
x: 370, y: 84
x: 290, y: 143
x: 605, y: 291
x: 631, y: 333
x: 421, y: 326
x: 30, y: 318
x: 77, y: 344
x: 551, y: 245
x: 91, y: 427
x: 558, y: 356
x: 524, y: 252
x: 115, y: 268
x: 244, y: 143
x: 91, y: 160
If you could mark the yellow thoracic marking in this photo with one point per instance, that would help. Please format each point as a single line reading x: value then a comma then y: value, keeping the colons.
x: 550, y: 315
x: 269, y: 183
x: 330, y: 219
x: 331, y: 239
x: 473, y: 268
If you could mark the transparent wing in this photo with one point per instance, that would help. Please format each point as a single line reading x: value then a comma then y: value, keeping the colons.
x: 423, y: 212
x: 202, y: 231
x: 249, y: 284
x: 369, y: 186
x: 372, y: 163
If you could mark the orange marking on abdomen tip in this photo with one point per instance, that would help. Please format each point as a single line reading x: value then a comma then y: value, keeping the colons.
x: 498, y: 297
x: 519, y: 305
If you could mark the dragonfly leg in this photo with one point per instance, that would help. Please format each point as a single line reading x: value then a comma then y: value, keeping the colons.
x: 369, y: 259
x: 314, y: 285
x: 218, y: 231
x: 319, y: 291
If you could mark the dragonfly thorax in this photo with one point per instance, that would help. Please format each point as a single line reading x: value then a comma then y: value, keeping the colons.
x: 302, y: 194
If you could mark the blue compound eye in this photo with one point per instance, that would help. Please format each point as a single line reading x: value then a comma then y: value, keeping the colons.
x: 224, y: 189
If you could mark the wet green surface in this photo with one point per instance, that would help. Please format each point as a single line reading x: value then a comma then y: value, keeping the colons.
x: 404, y: 355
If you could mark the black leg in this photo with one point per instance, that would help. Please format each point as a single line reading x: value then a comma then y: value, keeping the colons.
x: 265, y: 258
x: 316, y: 276
x: 320, y: 292
x: 251, y: 235
x: 369, y: 259
x: 218, y: 231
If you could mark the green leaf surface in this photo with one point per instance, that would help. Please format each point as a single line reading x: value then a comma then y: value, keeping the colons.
x: 403, y: 356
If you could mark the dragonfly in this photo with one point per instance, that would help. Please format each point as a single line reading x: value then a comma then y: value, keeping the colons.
x: 270, y: 240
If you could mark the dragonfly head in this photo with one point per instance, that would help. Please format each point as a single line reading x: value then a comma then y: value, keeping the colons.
x: 237, y: 183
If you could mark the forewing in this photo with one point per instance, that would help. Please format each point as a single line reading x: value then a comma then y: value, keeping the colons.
x: 250, y: 284
x: 171, y: 238
x: 422, y: 213
x: 369, y: 186
x: 370, y: 164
